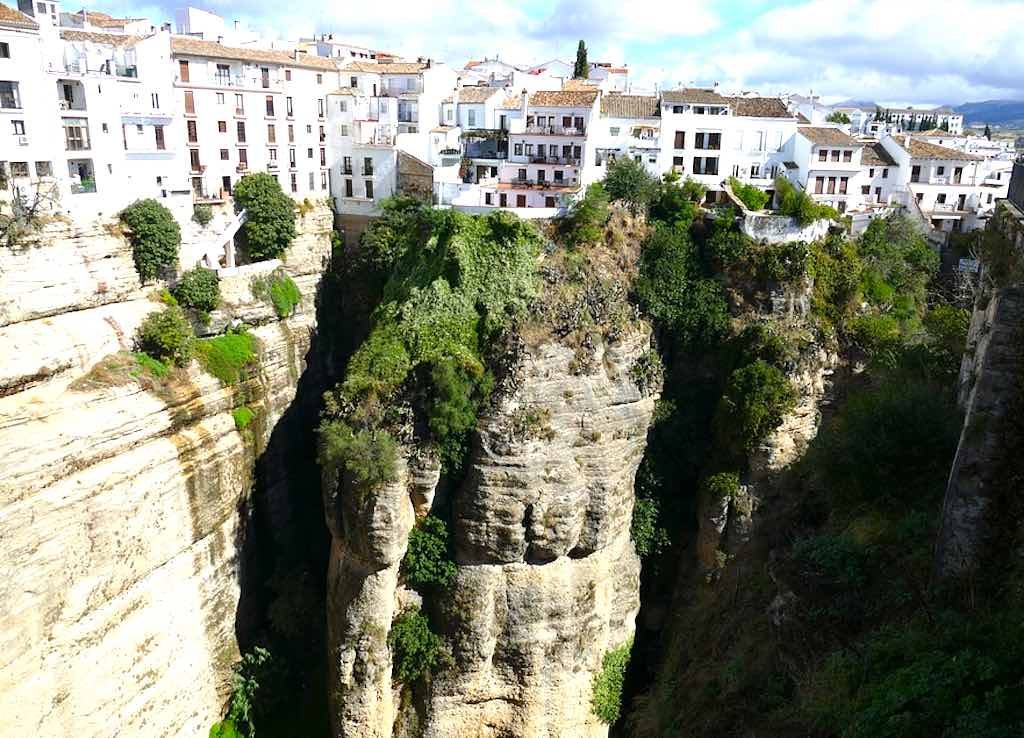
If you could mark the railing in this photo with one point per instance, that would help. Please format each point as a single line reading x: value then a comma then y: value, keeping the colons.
x: 555, y: 130
x: 346, y: 170
x: 565, y: 160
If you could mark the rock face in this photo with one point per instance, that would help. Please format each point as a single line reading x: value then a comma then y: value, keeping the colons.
x: 121, y: 507
x: 548, y: 579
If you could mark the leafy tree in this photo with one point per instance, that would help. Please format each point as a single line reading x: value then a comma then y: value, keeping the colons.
x: 797, y: 204
x: 270, y: 224
x: 838, y: 117
x: 756, y: 398
x: 416, y: 650
x: 673, y: 200
x: 650, y: 537
x: 370, y: 456
x: 278, y: 289
x: 606, y: 698
x: 587, y: 217
x: 629, y: 182
x: 459, y: 392
x: 198, y: 289
x: 154, y: 235
x: 752, y: 197
x: 898, y: 264
x: 428, y: 560
x: 202, y: 214
x: 582, y: 68
x: 726, y: 244
x: 166, y: 336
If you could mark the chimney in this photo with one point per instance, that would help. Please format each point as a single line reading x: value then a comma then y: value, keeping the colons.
x: 429, y: 60
x: 522, y: 105
x: 236, y: 25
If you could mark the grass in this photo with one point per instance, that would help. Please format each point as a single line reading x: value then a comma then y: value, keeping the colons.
x: 279, y: 290
x: 227, y: 356
x: 122, y: 368
x: 243, y: 417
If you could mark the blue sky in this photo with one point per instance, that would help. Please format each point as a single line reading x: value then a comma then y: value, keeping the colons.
x: 892, y: 51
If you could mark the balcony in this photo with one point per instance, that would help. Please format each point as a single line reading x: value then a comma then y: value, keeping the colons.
x: 346, y: 170
x: 555, y: 131
x: 367, y: 171
x: 563, y: 160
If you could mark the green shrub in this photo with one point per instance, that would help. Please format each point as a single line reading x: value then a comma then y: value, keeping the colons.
x: 838, y: 117
x: 416, y: 650
x: 586, y: 219
x: 754, y: 198
x: 428, y: 560
x: 720, y: 486
x: 672, y: 290
x: 779, y: 262
x: 279, y: 290
x: 674, y: 203
x: 202, y: 214
x: 650, y: 537
x: 253, y: 687
x: 459, y: 391
x: 835, y: 267
x: 243, y: 417
x: 227, y: 356
x: 628, y: 181
x: 892, y: 441
x: 154, y: 367
x: 837, y: 558
x: 166, y: 336
x: 270, y: 224
x: 898, y: 264
x: 756, y: 398
x: 648, y: 372
x: 797, y: 204
x: 369, y: 456
x: 225, y: 729
x: 606, y: 699
x: 154, y: 235
x: 199, y: 289
x: 726, y: 244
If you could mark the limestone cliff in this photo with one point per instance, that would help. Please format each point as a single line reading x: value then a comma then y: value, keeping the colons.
x: 123, y: 503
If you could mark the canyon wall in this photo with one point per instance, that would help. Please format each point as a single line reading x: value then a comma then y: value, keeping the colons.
x: 123, y: 500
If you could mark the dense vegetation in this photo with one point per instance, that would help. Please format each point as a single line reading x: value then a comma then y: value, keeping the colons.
x: 606, y: 701
x: 428, y: 561
x: 416, y: 649
x: 198, y: 289
x: 279, y: 290
x: 270, y: 225
x: 752, y: 197
x: 167, y: 336
x: 155, y: 237
x: 226, y: 357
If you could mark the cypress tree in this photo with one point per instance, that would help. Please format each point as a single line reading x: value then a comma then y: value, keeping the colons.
x: 582, y: 69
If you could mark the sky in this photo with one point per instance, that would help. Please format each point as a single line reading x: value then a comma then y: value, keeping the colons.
x: 888, y: 51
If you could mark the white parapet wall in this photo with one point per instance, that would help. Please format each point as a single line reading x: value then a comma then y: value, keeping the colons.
x: 781, y: 228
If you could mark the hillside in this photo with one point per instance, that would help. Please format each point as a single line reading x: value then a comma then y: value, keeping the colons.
x: 1009, y: 113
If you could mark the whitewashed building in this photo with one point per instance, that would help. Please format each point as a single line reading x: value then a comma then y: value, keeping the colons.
x: 828, y: 165
x: 628, y: 126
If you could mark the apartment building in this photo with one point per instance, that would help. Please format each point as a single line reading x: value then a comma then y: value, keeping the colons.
x: 827, y: 166
x: 879, y: 180
x: 757, y: 130
x: 328, y: 46
x: 628, y: 126
x: 549, y: 150
x: 379, y: 110
x: 249, y: 109
x: 911, y: 119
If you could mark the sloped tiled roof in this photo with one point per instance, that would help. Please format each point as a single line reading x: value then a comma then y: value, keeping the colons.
x: 801, y: 118
x: 759, y: 107
x: 823, y: 136
x: 111, y: 39
x: 875, y: 155
x: 630, y: 106
x: 924, y: 150
x: 384, y: 68
x: 103, y: 20
x: 512, y: 102
x: 577, y: 85
x: 348, y: 91
x: 935, y: 132
x: 693, y: 95
x: 189, y: 46
x: 11, y: 17
x: 476, y: 94
x: 563, y: 98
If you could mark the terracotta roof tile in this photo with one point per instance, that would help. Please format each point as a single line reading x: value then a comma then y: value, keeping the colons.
x: 630, y: 106
x: 512, y: 102
x: 578, y: 85
x: 474, y: 94
x: 924, y: 150
x: 104, y: 20
x: 759, y: 107
x: 188, y: 46
x: 111, y: 39
x: 11, y: 17
x: 384, y: 68
x: 823, y: 136
x: 563, y: 98
x: 875, y: 155
x: 693, y: 95
x: 801, y: 118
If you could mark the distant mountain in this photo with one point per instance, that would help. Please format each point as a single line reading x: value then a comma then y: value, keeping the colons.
x: 855, y: 104
x: 1009, y: 113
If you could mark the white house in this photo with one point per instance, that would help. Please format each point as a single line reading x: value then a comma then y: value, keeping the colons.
x: 757, y: 130
x: 693, y: 123
x: 628, y: 126
x: 828, y: 164
x: 879, y: 177
x: 911, y: 119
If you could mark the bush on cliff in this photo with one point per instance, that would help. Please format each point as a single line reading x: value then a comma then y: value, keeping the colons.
x: 226, y: 357
x: 752, y: 197
x: 369, y: 456
x: 756, y: 398
x: 606, y: 699
x: 166, y: 336
x: 428, y: 560
x: 627, y: 181
x: 154, y: 235
x: 415, y: 650
x: 270, y: 224
x: 278, y: 289
x: 198, y: 289
x: 797, y: 204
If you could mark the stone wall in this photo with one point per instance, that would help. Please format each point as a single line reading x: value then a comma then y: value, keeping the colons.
x: 123, y: 503
x: 781, y: 229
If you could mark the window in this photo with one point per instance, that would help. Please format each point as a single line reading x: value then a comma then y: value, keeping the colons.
x: 190, y: 103
x: 823, y: 155
x: 705, y: 165
x: 243, y: 159
x: 559, y: 175
x: 323, y: 134
x: 343, y: 108
x: 19, y: 169
x: 265, y: 78
x: 517, y: 149
x: 220, y: 98
x: 348, y: 188
x: 76, y: 134
x: 885, y: 172
x: 755, y: 171
x: 319, y: 81
x: 323, y: 157
x: 193, y: 134
x: 193, y: 155
x: 843, y: 182
x: 222, y: 126
x: 353, y: 82
x: 614, y: 130
x: 819, y: 185
x: 239, y: 104
x: 158, y: 132
x: 291, y: 133
x: 224, y: 155
x: 271, y: 133
x: 154, y: 101
x: 19, y: 127
x: 369, y: 189
x: 295, y: 182
x: 847, y: 156
x: 344, y: 129
x: 272, y: 154
x: 346, y: 166
x: 522, y: 174
x: 958, y: 172
x: 312, y: 181
x: 871, y: 172
x: 915, y: 174
x: 541, y: 176
x: 549, y: 202
x: 835, y: 154
x: 367, y: 165
x: 320, y: 107
x: 488, y: 198
x: 941, y: 198
x: 45, y: 169
x: 223, y: 74
x: 831, y: 186
x: 5, y: 50
x: 270, y: 106
x: 865, y: 190
x: 309, y: 153
x: 708, y: 141
x: 471, y: 117
x: 680, y: 142
x: 323, y: 180
x: 288, y: 109
x: 291, y: 158
x: 677, y: 161
x: 240, y: 130
x: 183, y: 71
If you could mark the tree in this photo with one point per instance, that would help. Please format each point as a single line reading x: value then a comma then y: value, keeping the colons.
x: 582, y: 69
x: 166, y: 336
x: 154, y: 234
x: 588, y: 215
x: 838, y: 117
x: 988, y: 132
x: 270, y: 226
x: 198, y: 289
x: 629, y: 182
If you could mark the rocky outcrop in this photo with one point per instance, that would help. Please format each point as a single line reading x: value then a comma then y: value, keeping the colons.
x: 123, y: 502
x: 548, y: 579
